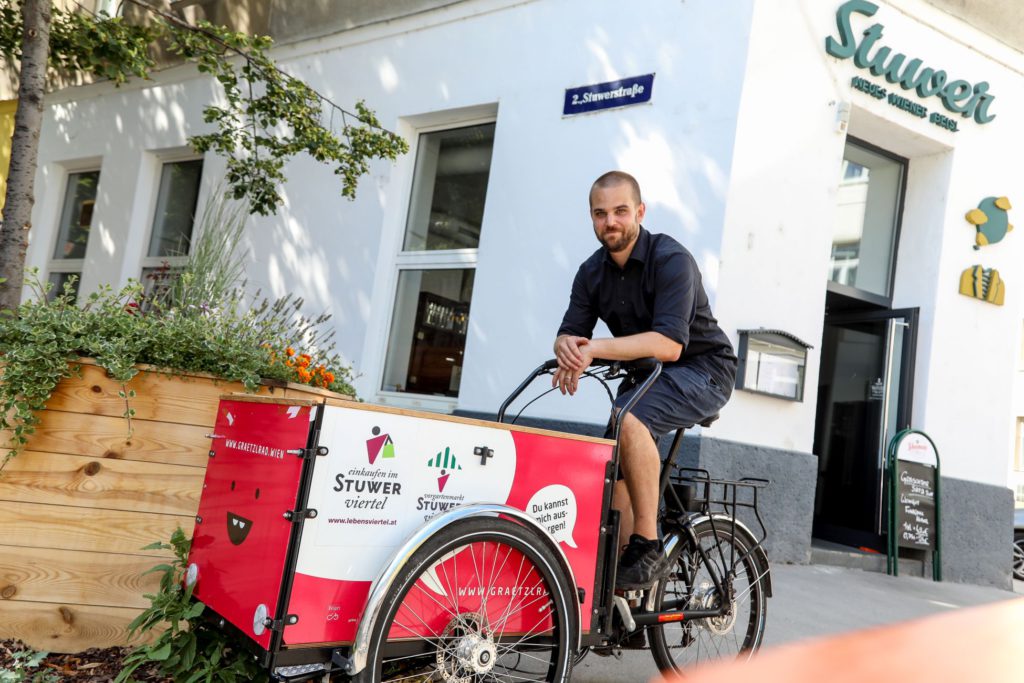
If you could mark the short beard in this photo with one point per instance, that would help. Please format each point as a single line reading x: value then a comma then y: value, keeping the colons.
x: 619, y: 243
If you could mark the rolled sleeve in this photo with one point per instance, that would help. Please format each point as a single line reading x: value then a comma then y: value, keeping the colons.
x: 581, y: 316
x: 675, y: 297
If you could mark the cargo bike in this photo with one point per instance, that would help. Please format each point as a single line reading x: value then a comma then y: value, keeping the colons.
x: 348, y: 541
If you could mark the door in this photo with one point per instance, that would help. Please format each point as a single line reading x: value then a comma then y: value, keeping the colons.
x: 864, y: 397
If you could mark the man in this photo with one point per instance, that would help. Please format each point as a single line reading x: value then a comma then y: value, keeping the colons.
x: 647, y: 288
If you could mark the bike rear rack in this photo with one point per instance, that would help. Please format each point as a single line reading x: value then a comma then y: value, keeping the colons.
x: 693, y: 490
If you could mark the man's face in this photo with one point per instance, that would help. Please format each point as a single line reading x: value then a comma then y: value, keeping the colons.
x: 616, y: 216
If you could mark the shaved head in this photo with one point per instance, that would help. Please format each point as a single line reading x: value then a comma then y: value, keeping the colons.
x: 613, y: 178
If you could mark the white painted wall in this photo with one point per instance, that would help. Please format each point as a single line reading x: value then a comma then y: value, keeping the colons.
x: 781, y: 210
x: 512, y: 59
x: 739, y: 157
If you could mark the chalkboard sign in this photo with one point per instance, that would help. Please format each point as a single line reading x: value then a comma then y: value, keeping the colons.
x: 915, y: 505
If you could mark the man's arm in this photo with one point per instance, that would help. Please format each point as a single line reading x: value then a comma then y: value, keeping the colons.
x: 642, y: 345
x: 573, y: 363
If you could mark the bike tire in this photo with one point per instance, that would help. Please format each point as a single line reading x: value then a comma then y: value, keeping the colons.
x: 680, y: 645
x: 481, y: 624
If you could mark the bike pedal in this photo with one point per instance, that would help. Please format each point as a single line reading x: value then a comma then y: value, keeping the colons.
x: 607, y: 652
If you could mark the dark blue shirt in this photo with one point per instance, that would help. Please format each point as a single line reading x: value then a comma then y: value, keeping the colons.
x: 659, y: 290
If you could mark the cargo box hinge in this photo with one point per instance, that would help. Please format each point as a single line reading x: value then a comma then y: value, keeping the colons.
x: 296, y: 515
x: 308, y: 453
x: 279, y: 624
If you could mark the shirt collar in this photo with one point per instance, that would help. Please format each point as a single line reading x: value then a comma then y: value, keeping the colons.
x: 639, y: 252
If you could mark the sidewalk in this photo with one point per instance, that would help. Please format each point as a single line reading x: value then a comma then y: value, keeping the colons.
x: 819, y: 600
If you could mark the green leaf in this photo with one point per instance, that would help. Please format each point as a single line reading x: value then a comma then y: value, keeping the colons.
x: 161, y: 653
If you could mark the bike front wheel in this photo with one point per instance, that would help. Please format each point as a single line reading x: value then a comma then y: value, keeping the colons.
x: 691, y: 585
x: 483, y: 600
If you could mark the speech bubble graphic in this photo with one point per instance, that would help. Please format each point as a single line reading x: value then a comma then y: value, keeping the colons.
x: 555, y: 508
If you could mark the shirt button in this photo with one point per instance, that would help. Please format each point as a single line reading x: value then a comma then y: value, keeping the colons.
x: 623, y: 303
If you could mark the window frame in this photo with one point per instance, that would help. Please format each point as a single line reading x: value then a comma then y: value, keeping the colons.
x: 175, y: 262
x: 864, y: 295
x: 76, y: 266
x: 438, y: 259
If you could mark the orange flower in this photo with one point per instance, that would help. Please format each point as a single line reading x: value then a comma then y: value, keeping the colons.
x: 290, y: 351
x: 303, y: 362
x: 304, y: 374
x: 329, y: 377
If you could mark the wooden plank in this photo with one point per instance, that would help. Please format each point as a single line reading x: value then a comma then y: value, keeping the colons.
x: 76, y: 577
x: 293, y: 390
x: 84, y: 482
x: 101, y: 436
x: 57, y: 627
x: 355, y: 405
x: 280, y: 401
x: 34, y: 525
x: 182, y: 400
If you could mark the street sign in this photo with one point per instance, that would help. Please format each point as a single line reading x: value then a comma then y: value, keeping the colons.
x: 625, y: 92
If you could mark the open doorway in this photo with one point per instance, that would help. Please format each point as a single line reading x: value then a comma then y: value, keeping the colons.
x: 865, y: 382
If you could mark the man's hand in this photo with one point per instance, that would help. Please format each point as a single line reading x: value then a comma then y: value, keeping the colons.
x: 577, y: 360
x: 568, y: 352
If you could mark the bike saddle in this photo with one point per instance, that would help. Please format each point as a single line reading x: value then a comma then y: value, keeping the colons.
x: 708, y: 421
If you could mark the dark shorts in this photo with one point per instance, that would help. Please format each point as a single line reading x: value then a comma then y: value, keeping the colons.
x: 682, y: 396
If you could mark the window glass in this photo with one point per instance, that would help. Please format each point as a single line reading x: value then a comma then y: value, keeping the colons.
x: 428, y: 331
x: 774, y: 368
x: 449, y: 188
x: 76, y: 215
x: 864, y: 238
x: 58, y: 280
x: 175, y: 208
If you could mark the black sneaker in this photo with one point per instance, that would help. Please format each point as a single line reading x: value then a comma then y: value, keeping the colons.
x: 642, y: 563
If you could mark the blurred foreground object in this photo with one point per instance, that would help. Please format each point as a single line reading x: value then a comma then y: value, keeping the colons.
x: 978, y: 644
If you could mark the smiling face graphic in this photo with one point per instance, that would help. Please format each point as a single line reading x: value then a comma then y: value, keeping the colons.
x: 238, y: 526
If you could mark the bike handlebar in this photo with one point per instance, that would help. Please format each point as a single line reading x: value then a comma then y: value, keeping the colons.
x: 653, y: 365
x: 638, y: 364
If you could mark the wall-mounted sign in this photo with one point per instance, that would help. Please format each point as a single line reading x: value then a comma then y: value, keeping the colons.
x: 991, y: 220
x: 635, y: 90
x: 970, y: 100
x: 983, y: 283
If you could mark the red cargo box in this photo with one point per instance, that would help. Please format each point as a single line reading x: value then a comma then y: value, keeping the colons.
x: 306, y: 504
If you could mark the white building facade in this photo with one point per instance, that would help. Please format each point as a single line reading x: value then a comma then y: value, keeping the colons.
x: 801, y: 150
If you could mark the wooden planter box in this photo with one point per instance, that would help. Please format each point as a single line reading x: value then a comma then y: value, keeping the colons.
x: 79, y: 503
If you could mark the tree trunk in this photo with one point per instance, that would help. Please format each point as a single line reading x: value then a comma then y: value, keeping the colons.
x: 28, y: 121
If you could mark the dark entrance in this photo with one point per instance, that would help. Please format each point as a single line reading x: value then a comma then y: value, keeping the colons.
x: 865, y: 395
x: 867, y: 355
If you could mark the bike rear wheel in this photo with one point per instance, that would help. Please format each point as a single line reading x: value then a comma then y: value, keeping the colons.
x: 736, y: 634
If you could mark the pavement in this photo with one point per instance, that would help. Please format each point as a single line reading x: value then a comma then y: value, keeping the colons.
x: 811, y: 601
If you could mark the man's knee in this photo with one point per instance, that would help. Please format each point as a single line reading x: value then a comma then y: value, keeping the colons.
x: 633, y: 429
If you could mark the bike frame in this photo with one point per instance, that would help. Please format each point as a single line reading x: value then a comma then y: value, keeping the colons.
x: 682, y: 528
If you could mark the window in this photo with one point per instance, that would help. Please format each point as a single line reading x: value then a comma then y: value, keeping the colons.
x: 772, y: 362
x: 173, y: 222
x: 437, y: 264
x: 863, y: 244
x: 1018, y: 451
x: 73, y: 230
